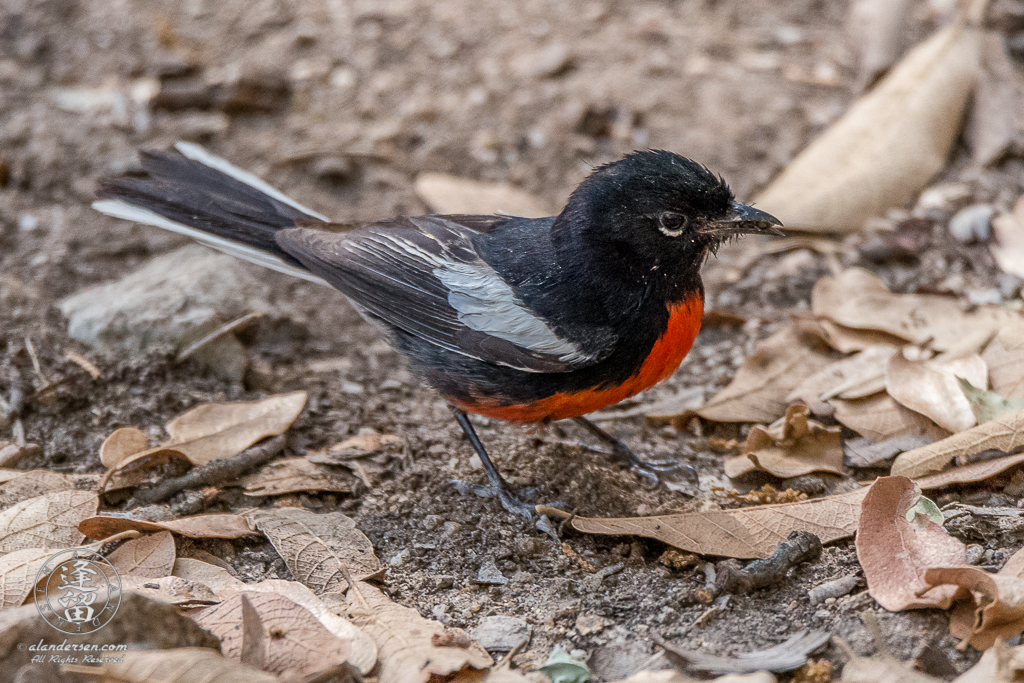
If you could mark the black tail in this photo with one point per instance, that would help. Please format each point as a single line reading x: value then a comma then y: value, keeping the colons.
x: 191, y: 192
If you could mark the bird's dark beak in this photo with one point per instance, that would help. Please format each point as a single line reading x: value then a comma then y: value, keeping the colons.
x: 744, y: 220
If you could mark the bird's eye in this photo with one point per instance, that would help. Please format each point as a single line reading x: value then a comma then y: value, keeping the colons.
x: 672, y: 223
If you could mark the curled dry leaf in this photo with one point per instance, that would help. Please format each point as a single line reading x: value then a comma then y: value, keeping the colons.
x: 445, y: 193
x: 49, y: 521
x: 786, y: 656
x: 895, y: 552
x: 995, y: 608
x: 297, y: 474
x: 180, y: 665
x: 979, y: 471
x: 841, y: 338
x: 122, y: 443
x: 858, y: 376
x: 363, y: 654
x: 148, y: 556
x: 1004, y: 433
x: 743, y: 533
x: 858, y: 299
x: 1008, y: 246
x: 1005, y: 359
x: 790, y: 447
x: 313, y: 545
x: 930, y: 387
x: 198, y: 526
x: 138, y: 468
x: 297, y: 641
x: 758, y: 392
x: 888, y: 145
x: 880, y: 417
x: 172, y: 590
x: 405, y: 640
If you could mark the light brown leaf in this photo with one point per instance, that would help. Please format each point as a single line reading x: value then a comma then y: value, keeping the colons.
x: 858, y: 376
x: 362, y: 445
x: 33, y: 483
x: 297, y: 474
x: 405, y: 640
x: 895, y: 552
x: 880, y: 418
x: 930, y: 387
x: 180, y: 665
x: 297, y: 642
x: 149, y: 556
x: 18, y: 573
x: 445, y: 193
x: 995, y: 610
x: 764, y: 380
x: 998, y: 664
x: 1004, y: 433
x: 790, y: 447
x: 858, y: 299
x: 888, y: 145
x: 979, y: 471
x: 881, y: 669
x: 199, y: 526
x: 217, y: 579
x: 221, y: 430
x: 313, y: 545
x: 1008, y: 246
x: 139, y: 468
x: 842, y: 338
x: 996, y: 122
x: 875, y: 27
x: 1005, y: 359
x: 49, y: 521
x: 741, y: 533
x: 172, y: 590
x: 363, y: 653
x: 122, y: 443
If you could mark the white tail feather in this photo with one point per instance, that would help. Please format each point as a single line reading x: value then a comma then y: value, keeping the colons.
x: 120, y: 209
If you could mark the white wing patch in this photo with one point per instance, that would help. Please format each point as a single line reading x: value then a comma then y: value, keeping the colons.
x: 486, y: 303
x: 128, y: 212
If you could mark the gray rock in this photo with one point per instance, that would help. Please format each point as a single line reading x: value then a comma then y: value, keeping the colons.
x: 490, y: 574
x: 972, y: 224
x: 165, y: 301
x: 501, y: 634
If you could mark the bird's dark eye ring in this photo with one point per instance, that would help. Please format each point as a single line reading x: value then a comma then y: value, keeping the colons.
x: 671, y: 223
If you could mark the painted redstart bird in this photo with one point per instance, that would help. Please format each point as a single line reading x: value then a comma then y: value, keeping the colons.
x: 523, y: 319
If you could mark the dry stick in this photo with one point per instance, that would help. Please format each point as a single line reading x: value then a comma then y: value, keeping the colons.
x: 798, y: 547
x: 215, y: 335
x: 212, y: 473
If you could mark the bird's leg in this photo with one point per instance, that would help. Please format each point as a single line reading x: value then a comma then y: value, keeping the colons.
x: 648, y: 470
x: 498, y: 487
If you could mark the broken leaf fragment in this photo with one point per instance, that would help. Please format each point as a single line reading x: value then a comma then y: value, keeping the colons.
x: 48, y: 521
x: 930, y: 387
x: 895, y: 552
x: 1004, y: 433
x: 988, y: 405
x: 786, y: 656
x: 792, y: 446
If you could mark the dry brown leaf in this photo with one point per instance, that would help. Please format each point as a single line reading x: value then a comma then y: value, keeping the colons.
x: 313, y: 545
x: 841, y: 338
x: 995, y: 610
x: 139, y: 468
x: 764, y: 380
x: 362, y: 445
x: 875, y: 27
x: 363, y: 653
x: 929, y: 387
x: 895, y: 552
x: 445, y: 193
x: 858, y: 376
x: 49, y: 521
x: 979, y: 471
x: 1005, y: 359
x: 297, y: 642
x: 996, y: 122
x: 888, y: 145
x: 790, y: 447
x: 33, y: 483
x: 743, y: 533
x: 405, y: 640
x: 221, y: 430
x: 18, y: 573
x: 199, y: 526
x: 858, y: 299
x: 881, y: 418
x: 213, y: 577
x: 881, y: 669
x: 998, y: 664
x: 149, y: 556
x: 7, y: 475
x: 172, y: 590
x: 122, y: 443
x: 1004, y: 433
x: 180, y: 665
x: 297, y: 474
x: 1008, y: 246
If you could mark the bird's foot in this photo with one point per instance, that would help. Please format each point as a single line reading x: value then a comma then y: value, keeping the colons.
x: 648, y: 470
x: 509, y: 499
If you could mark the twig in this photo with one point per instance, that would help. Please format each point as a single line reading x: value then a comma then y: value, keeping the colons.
x: 799, y: 547
x: 215, y: 335
x: 84, y: 363
x: 35, y: 360
x: 212, y: 473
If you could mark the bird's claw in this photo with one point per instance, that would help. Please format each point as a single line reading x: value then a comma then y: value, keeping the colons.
x: 650, y: 469
x: 508, y: 499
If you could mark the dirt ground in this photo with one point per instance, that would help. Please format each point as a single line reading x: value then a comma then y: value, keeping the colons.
x: 534, y: 94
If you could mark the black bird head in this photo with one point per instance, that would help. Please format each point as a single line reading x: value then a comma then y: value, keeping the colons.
x: 656, y: 208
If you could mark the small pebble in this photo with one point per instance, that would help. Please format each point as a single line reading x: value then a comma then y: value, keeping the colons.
x: 451, y: 528
x: 432, y: 522
x: 399, y: 559
x: 522, y: 577
x: 490, y: 574
x: 972, y: 224
x: 979, y: 297
x: 975, y: 553
x: 501, y: 633
x: 1009, y: 285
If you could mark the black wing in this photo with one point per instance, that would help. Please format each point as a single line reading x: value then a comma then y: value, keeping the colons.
x: 424, y: 276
